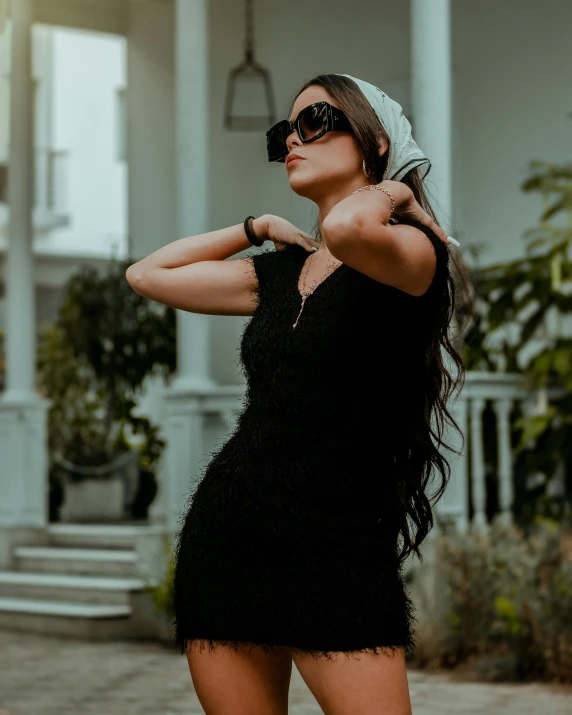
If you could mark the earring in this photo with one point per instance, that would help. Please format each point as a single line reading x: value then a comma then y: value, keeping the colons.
x: 364, y: 169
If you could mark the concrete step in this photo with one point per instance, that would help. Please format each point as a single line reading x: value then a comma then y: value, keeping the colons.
x: 85, y: 562
x: 102, y: 536
x: 81, y: 620
x: 63, y: 608
x: 70, y: 588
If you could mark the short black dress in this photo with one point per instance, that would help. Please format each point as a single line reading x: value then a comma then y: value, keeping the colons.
x: 289, y: 537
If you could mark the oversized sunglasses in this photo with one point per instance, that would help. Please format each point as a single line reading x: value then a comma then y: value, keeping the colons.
x: 311, y: 123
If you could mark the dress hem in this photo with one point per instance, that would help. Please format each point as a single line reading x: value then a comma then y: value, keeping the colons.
x: 210, y: 644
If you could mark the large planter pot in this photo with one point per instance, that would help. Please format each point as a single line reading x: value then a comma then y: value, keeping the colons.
x: 99, y: 493
x: 93, y: 500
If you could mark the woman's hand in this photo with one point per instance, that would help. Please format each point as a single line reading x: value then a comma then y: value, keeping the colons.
x: 280, y: 232
x: 406, y: 206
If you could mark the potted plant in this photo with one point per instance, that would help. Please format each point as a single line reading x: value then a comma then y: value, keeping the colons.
x: 92, y: 364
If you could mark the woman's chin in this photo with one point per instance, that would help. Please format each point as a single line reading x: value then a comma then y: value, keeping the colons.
x: 303, y: 186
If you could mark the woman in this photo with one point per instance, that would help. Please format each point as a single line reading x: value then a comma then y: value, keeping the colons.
x: 289, y: 546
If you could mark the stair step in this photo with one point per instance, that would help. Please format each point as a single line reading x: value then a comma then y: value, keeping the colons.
x: 63, y: 608
x: 70, y: 587
x: 109, y: 536
x: 88, y: 621
x: 71, y: 581
x: 89, y: 581
x: 63, y: 552
x: 68, y: 560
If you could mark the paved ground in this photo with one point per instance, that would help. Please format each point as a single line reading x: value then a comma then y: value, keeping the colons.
x: 52, y: 676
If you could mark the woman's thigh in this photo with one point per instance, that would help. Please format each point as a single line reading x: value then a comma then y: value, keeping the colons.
x: 243, y: 681
x: 364, y: 683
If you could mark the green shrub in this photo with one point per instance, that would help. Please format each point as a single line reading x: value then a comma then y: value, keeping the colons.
x: 162, y: 593
x: 508, y: 600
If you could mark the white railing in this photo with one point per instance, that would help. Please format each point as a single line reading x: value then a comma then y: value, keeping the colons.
x: 468, y: 484
x: 195, y: 423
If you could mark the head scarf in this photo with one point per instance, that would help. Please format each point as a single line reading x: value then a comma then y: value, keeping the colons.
x: 404, y: 154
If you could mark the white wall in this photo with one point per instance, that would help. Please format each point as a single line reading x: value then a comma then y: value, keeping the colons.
x: 89, y: 69
x: 513, y: 66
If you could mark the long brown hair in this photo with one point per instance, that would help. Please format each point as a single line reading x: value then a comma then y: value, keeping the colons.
x: 424, y: 454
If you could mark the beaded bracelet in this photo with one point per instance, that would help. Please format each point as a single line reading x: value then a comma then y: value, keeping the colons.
x: 252, y: 237
x: 379, y: 188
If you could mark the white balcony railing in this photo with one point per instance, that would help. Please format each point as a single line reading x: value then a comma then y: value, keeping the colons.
x: 50, y: 192
x: 469, y: 471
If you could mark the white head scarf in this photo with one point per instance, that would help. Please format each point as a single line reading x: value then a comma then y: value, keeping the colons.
x: 404, y: 154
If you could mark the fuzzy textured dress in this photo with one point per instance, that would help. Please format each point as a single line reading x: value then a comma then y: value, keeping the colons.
x: 289, y: 537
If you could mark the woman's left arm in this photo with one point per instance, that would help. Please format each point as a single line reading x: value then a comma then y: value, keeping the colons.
x: 357, y: 232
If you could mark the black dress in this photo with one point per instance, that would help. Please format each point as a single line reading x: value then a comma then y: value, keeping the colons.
x: 289, y: 538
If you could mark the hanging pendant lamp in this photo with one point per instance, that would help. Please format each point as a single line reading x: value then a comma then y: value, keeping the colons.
x: 249, y: 98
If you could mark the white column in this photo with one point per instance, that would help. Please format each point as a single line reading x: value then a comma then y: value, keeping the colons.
x: 192, y: 174
x: 20, y: 318
x: 431, y: 95
x: 184, y: 414
x: 23, y: 443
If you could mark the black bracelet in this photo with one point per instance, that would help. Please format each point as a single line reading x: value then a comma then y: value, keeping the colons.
x: 252, y: 237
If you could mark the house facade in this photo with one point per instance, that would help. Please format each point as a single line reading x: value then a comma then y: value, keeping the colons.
x: 486, y: 86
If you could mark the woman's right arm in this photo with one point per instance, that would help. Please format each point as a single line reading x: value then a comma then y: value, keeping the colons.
x: 191, y: 273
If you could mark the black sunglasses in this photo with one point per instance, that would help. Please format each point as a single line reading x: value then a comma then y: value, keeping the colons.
x: 311, y: 123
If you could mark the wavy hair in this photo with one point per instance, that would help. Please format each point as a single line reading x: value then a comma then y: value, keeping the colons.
x: 422, y: 456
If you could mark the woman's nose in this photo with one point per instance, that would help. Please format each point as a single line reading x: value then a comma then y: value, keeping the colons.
x: 293, y: 140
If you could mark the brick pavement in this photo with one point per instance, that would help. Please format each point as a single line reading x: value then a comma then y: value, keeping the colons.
x: 42, y: 675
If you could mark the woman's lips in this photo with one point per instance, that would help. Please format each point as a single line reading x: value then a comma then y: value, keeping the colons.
x: 293, y: 160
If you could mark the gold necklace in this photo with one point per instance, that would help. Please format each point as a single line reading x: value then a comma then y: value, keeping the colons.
x: 331, y: 266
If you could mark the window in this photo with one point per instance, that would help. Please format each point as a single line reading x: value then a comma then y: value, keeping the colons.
x: 4, y: 116
x: 3, y: 183
x: 121, y: 124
